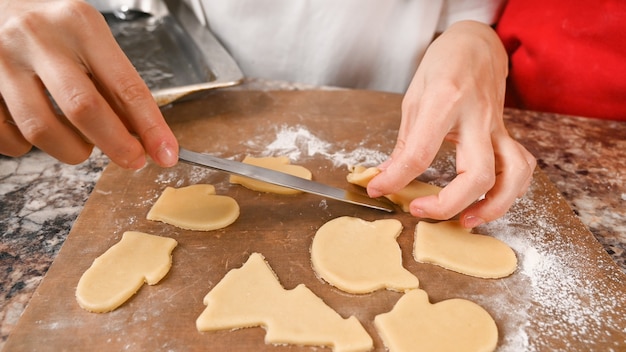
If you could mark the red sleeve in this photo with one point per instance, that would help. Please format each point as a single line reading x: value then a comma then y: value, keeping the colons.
x: 566, y: 56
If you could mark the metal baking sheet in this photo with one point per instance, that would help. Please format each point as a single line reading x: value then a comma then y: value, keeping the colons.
x: 173, y: 53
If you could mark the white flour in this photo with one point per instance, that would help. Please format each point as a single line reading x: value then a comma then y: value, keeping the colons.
x: 297, y: 142
x: 557, y: 287
x: 193, y: 176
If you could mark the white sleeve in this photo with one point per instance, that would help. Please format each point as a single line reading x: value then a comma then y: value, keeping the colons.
x: 486, y: 11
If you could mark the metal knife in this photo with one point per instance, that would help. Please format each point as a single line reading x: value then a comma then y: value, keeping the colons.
x: 282, y: 179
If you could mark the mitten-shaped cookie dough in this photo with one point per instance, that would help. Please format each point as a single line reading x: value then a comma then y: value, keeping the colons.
x: 120, y: 272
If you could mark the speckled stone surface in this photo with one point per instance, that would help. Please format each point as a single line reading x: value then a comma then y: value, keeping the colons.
x: 586, y: 160
x: 40, y: 198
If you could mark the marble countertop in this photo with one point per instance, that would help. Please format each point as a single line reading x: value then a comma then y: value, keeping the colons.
x: 40, y: 198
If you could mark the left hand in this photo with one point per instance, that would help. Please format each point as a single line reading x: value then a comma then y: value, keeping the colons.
x: 65, y: 48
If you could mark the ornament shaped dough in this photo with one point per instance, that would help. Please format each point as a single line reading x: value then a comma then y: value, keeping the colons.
x: 252, y: 296
x: 194, y: 207
x: 450, y: 245
x: 361, y: 176
x: 455, y: 325
x: 359, y: 256
x: 120, y: 272
x: 281, y: 164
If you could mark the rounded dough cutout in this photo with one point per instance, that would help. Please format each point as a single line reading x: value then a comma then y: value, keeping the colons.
x: 359, y: 256
x: 414, y: 324
x: 281, y: 164
x: 451, y: 246
x: 195, y: 207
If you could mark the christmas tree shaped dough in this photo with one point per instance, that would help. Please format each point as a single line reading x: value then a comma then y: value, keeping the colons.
x: 252, y: 296
x: 281, y: 164
x: 361, y: 176
x: 195, y: 207
x: 453, y: 247
x: 120, y: 272
x: 455, y: 325
x: 359, y: 256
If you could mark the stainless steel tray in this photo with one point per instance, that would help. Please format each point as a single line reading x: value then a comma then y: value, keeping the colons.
x: 172, y: 51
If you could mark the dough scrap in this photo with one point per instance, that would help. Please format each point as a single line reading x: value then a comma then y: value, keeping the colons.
x: 361, y: 176
x: 453, y: 247
x: 252, y: 296
x: 359, y: 256
x: 281, y: 164
x: 194, y: 207
x: 414, y: 324
x: 119, y: 273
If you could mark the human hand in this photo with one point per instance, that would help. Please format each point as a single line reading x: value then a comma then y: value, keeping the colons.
x: 65, y: 48
x: 457, y: 94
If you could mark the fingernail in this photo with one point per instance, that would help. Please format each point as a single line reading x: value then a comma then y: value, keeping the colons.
x: 472, y: 221
x: 166, y: 157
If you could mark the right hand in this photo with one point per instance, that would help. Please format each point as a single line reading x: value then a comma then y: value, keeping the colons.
x: 457, y: 94
x: 65, y: 48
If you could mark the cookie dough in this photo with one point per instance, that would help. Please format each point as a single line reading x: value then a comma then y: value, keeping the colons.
x: 414, y: 324
x: 252, y: 296
x: 281, y: 164
x: 361, y: 176
x: 359, y: 256
x: 195, y: 207
x: 120, y: 272
x: 453, y: 247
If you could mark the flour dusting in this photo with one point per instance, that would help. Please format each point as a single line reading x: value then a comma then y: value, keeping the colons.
x: 557, y: 284
x: 172, y: 177
x: 297, y: 142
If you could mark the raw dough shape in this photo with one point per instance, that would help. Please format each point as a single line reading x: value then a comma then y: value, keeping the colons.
x: 281, y: 164
x: 359, y: 256
x: 252, y: 296
x: 450, y: 245
x: 194, y: 207
x: 120, y: 272
x: 361, y: 176
x: 456, y: 325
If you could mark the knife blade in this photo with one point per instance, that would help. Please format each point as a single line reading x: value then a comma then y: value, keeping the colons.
x: 282, y: 179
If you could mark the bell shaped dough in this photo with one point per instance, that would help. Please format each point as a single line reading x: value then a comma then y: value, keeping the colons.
x: 120, y: 272
x: 281, y: 164
x: 252, y: 296
x: 361, y: 176
x: 194, y: 207
x: 450, y: 245
x: 455, y: 325
x: 359, y: 256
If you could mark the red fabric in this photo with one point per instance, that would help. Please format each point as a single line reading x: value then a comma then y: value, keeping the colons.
x: 567, y: 57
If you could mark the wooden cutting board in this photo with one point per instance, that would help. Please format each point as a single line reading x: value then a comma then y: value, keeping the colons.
x: 567, y: 294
